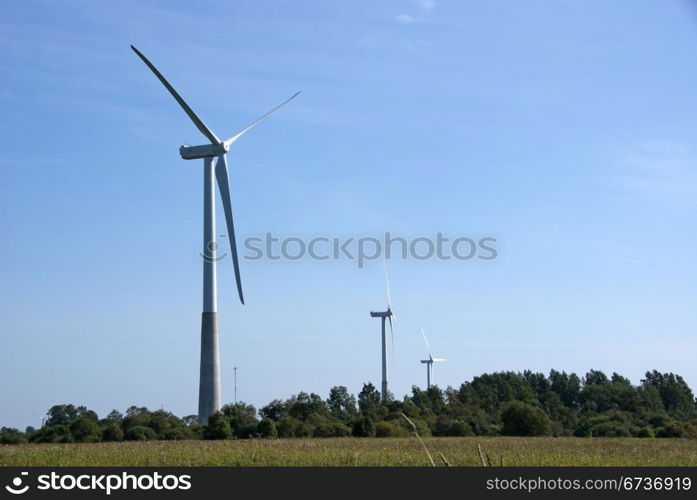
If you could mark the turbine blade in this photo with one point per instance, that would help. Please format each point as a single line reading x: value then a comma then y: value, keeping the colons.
x: 223, y: 185
x: 392, y: 339
x: 428, y: 347
x: 436, y: 360
x: 239, y: 134
x: 387, y: 285
x: 197, y: 121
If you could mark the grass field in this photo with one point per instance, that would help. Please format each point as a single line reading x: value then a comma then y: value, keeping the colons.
x: 358, y: 452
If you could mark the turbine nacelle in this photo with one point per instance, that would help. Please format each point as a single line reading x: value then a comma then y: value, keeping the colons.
x: 203, y: 151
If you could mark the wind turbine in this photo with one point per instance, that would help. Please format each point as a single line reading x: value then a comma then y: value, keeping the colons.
x: 385, y: 315
x: 214, y: 167
x: 429, y: 362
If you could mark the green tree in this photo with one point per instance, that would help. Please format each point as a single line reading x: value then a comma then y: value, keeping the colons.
x: 114, y: 416
x: 242, y: 419
x: 85, y: 430
x: 676, y: 395
x: 369, y: 402
x: 491, y: 390
x: 287, y: 426
x: 112, y: 432
x: 539, y: 385
x: 522, y: 419
x: 190, y: 420
x: 267, y: 428
x: 140, y: 433
x: 303, y: 405
x: 61, y: 415
x: 600, y: 394
x: 218, y: 427
x: 136, y: 417
x: 341, y: 404
x: 568, y: 387
x: 275, y: 410
x: 168, y: 427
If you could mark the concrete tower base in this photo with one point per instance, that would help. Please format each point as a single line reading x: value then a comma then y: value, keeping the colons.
x: 209, y: 382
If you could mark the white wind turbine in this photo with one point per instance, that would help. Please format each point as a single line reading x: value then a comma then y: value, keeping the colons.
x: 429, y: 362
x: 385, y: 315
x: 214, y: 168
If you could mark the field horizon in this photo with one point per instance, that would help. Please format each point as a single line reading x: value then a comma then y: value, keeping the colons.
x: 362, y: 452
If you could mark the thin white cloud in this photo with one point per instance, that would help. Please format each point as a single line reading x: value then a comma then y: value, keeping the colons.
x: 404, y: 19
x: 660, y: 168
x: 427, y: 5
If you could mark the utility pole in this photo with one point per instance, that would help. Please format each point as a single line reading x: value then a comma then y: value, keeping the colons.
x: 235, y: 368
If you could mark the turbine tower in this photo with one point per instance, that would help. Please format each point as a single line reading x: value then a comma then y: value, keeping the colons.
x: 214, y: 169
x: 385, y: 315
x: 429, y: 362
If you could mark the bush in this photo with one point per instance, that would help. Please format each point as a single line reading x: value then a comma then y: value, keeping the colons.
x: 422, y: 426
x: 112, y: 432
x: 659, y: 419
x: 11, y: 436
x: 331, y: 429
x: 53, y: 434
x: 387, y: 429
x: 363, y: 427
x: 670, y: 430
x: 611, y: 429
x: 140, y: 433
x: 690, y: 430
x: 341, y: 430
x: 267, y: 428
x: 608, y: 424
x: 645, y: 432
x: 198, y: 430
x: 445, y: 426
x: 303, y: 430
x: 522, y: 419
x: 441, y: 427
x: 286, y: 427
x: 459, y: 428
x: 180, y: 433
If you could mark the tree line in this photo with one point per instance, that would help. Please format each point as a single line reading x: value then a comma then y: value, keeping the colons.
x: 501, y: 403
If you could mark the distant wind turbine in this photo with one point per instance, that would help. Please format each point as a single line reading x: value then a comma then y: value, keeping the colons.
x: 214, y: 167
x: 429, y: 362
x: 385, y: 315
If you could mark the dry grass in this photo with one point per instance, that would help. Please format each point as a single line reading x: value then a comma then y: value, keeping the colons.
x: 358, y: 452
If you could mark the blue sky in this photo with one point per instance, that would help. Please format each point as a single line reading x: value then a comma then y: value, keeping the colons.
x: 564, y: 129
